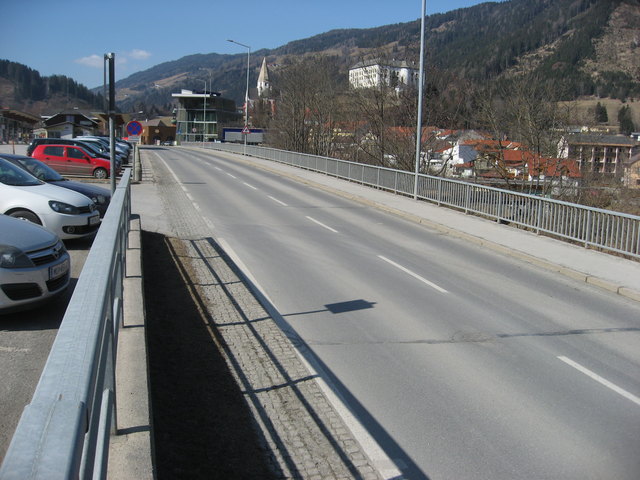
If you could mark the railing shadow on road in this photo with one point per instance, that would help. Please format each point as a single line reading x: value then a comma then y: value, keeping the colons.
x: 203, y: 253
x: 201, y: 423
x: 374, y: 429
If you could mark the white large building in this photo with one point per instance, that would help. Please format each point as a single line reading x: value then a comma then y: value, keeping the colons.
x: 374, y: 73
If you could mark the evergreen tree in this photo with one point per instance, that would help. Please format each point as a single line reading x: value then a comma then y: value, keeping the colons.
x: 601, y: 113
x: 626, y: 121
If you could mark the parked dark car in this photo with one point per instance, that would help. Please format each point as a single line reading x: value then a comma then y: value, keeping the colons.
x: 72, y: 160
x: 101, y: 196
x: 103, y: 144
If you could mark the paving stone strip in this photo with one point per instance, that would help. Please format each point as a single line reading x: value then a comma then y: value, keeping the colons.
x: 306, y: 437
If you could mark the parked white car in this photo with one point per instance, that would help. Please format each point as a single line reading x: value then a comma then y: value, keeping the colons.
x: 34, y: 265
x: 66, y: 213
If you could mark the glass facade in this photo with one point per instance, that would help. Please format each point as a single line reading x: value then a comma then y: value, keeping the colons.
x: 201, y: 115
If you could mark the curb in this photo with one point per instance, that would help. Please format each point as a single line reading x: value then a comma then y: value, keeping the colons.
x: 130, y: 448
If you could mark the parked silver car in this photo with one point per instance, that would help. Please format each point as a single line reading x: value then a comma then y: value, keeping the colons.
x: 34, y: 265
x: 66, y: 213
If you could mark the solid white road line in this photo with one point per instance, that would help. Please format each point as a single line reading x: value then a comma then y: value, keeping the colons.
x: 322, y: 224
x: 414, y: 275
x: 278, y: 201
x: 599, y: 379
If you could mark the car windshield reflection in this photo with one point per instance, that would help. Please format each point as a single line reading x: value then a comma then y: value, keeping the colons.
x: 41, y: 170
x: 15, y: 176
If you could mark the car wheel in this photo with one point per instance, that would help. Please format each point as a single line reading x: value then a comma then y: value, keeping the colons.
x: 100, y: 173
x: 26, y: 215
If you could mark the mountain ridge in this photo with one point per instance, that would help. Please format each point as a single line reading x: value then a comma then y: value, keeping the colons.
x: 591, y: 45
x: 497, y: 39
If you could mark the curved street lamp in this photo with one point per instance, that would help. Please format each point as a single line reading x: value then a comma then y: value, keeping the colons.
x: 420, y: 88
x: 246, y: 95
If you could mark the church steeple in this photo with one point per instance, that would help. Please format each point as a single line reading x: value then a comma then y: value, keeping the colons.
x: 264, y: 85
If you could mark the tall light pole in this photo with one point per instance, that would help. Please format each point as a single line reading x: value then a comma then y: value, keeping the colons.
x: 109, y: 61
x: 246, y: 95
x: 204, y: 112
x: 420, y: 88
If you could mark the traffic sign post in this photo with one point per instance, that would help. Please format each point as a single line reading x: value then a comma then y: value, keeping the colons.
x: 134, y: 128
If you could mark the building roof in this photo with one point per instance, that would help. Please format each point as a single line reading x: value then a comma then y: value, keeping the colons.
x: 18, y: 115
x: 555, y: 167
x: 600, y: 140
x: 263, y: 77
x: 61, y: 118
x: 195, y: 94
x: 384, y: 63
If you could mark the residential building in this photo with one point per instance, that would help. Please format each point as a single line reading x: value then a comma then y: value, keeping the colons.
x: 16, y: 126
x: 374, y: 73
x: 632, y: 170
x: 67, y: 125
x: 156, y: 131
x: 201, y: 115
x: 604, y: 155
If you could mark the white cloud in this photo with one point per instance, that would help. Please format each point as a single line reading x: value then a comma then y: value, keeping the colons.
x: 94, y: 61
x: 138, y: 54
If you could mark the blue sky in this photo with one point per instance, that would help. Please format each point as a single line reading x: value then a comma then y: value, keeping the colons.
x: 70, y: 37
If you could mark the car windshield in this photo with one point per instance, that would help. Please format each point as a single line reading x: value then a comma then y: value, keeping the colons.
x: 92, y: 147
x: 40, y: 170
x: 13, y: 175
x: 98, y: 145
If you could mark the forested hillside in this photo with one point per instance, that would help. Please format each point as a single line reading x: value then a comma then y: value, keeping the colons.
x: 23, y: 87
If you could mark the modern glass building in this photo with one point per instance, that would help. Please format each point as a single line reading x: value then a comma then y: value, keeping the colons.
x: 202, y: 114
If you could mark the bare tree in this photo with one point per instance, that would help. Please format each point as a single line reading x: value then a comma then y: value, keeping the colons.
x: 371, y: 107
x: 526, y: 110
x: 306, y: 108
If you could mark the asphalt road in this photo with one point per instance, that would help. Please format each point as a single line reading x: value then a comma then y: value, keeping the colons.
x: 459, y: 362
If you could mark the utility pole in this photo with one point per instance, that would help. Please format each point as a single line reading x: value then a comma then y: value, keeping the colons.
x: 420, y: 88
x: 110, y: 60
x: 246, y: 96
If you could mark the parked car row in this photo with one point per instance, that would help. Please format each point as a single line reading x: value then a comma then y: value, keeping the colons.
x: 101, y: 196
x: 85, y: 155
x: 46, y: 207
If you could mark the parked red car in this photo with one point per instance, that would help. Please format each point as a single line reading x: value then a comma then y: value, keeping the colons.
x: 72, y: 160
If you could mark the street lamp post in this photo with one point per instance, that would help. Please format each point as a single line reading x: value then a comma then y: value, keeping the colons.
x: 246, y: 95
x: 420, y: 88
x: 204, y: 113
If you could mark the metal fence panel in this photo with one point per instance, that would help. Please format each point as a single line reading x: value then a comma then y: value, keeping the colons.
x: 591, y: 227
x: 61, y: 433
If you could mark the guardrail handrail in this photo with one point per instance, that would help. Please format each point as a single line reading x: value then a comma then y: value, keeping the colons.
x: 591, y: 227
x: 64, y: 432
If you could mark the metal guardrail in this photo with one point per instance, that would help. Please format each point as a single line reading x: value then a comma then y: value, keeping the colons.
x: 64, y: 432
x: 590, y: 227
